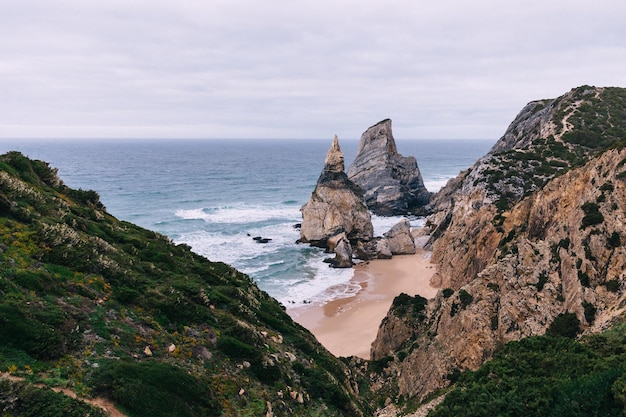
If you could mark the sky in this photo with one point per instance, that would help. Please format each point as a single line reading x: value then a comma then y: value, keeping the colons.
x: 295, y: 68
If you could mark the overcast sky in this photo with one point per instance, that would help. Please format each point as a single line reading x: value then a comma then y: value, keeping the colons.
x: 293, y: 68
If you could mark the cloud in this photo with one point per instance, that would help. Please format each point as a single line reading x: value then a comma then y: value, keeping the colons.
x: 276, y: 68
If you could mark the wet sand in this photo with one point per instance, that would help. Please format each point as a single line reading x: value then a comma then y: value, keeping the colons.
x: 348, y: 326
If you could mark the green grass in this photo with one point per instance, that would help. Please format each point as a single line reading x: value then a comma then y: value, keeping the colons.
x: 82, y: 294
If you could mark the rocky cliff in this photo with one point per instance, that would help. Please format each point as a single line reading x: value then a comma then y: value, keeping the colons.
x: 336, y: 214
x: 337, y: 218
x: 392, y: 183
x: 535, y: 230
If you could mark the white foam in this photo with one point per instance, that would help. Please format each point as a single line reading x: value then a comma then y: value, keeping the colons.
x: 237, y: 248
x: 307, y: 279
x: 383, y: 224
x: 324, y: 285
x: 240, y: 214
x: 435, y: 184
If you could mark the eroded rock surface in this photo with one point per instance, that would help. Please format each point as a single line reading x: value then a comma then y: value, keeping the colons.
x: 534, y: 229
x: 336, y: 206
x: 392, y: 183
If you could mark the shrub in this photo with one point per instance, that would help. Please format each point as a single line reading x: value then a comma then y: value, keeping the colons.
x: 495, y: 322
x: 592, y: 215
x: 447, y: 292
x: 154, y: 389
x: 35, y: 333
x: 404, y: 304
x: 19, y: 399
x: 590, y: 312
x: 583, y: 277
x: 614, y: 240
x: 541, y: 282
x: 564, y: 325
x: 612, y: 285
x: 379, y: 365
x: 465, y: 298
x: 607, y: 186
x: 267, y: 374
x: 590, y: 396
x: 235, y: 348
x: 618, y: 389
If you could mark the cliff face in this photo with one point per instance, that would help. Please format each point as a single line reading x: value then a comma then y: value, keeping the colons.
x: 336, y: 205
x: 392, y: 183
x: 534, y: 229
x: 545, y: 140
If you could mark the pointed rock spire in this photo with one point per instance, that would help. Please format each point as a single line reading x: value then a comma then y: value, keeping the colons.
x: 336, y: 207
x: 334, y: 158
x: 392, y: 184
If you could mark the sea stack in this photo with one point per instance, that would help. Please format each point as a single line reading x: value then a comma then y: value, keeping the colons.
x: 336, y: 208
x: 392, y: 183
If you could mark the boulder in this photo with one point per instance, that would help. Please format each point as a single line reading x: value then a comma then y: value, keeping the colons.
x: 340, y: 245
x: 392, y: 183
x: 400, y: 240
x: 336, y: 205
x: 377, y: 248
x: 383, y: 251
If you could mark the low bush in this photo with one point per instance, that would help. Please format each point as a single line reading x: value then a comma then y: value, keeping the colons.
x: 542, y: 376
x: 25, y: 400
x: 404, y: 304
x: 564, y: 325
x: 592, y: 215
x: 465, y: 298
x: 155, y: 389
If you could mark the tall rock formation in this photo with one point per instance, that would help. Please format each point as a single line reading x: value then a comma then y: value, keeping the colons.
x: 336, y: 207
x: 534, y: 229
x: 392, y: 183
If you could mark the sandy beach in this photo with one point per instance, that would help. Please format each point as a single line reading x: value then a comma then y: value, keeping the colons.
x: 348, y: 326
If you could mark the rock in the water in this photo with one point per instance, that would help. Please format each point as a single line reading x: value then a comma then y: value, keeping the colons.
x: 336, y: 205
x: 392, y: 183
x: 400, y: 239
x: 340, y: 245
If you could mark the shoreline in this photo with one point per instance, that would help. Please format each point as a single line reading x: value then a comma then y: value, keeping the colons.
x: 348, y: 326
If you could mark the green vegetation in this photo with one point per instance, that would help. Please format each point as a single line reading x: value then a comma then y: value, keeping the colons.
x: 152, y: 389
x: 543, y: 279
x: 545, y: 376
x: 564, y: 325
x: 110, y: 309
x: 614, y: 240
x: 592, y: 215
x: 25, y: 400
x: 595, y: 122
x: 404, y: 305
x: 465, y: 299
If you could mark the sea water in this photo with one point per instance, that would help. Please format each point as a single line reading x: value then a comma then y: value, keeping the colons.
x: 217, y: 195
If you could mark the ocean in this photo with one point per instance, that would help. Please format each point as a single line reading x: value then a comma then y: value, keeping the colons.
x: 216, y: 195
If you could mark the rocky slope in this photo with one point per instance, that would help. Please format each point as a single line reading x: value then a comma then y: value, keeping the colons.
x: 105, y: 308
x: 532, y: 233
x: 392, y: 183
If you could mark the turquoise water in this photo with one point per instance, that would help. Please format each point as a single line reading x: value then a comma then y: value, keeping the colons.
x: 215, y: 195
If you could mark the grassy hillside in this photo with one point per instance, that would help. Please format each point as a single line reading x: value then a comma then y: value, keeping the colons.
x: 109, y: 309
